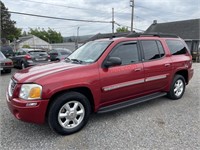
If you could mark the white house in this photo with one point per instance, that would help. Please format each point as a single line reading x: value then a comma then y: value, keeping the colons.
x: 32, y: 41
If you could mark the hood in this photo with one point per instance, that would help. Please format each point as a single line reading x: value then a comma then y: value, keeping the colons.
x: 33, y: 73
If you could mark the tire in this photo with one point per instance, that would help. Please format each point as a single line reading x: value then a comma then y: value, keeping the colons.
x: 23, y: 65
x: 8, y: 70
x: 177, y: 88
x: 64, y: 109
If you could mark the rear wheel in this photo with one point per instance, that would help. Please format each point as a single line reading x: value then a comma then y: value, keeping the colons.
x: 69, y: 113
x: 177, y: 88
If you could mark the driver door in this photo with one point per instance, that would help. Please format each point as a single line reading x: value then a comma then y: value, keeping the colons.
x: 122, y: 82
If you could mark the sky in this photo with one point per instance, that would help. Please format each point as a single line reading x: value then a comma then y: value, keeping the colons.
x: 145, y: 11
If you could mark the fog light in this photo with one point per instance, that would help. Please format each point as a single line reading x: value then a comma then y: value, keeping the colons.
x: 31, y: 104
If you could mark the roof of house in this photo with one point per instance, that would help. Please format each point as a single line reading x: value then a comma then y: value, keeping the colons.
x: 24, y: 38
x: 186, y: 29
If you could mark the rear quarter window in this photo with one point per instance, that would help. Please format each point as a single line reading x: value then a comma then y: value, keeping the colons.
x: 176, y: 47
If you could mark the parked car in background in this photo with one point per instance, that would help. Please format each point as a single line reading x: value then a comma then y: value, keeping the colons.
x: 29, y: 57
x: 7, y: 50
x: 5, y: 64
x: 59, y: 54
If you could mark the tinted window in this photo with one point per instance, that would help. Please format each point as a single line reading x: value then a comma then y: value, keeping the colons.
x: 64, y: 53
x: 176, y: 47
x: 127, y: 52
x: 150, y: 50
x: 52, y: 52
x: 161, y: 50
x: 21, y: 53
x: 37, y: 53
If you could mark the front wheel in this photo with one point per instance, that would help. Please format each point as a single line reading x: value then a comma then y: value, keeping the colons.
x: 69, y: 113
x: 177, y: 88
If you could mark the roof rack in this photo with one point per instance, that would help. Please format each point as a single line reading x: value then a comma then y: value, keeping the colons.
x: 147, y: 34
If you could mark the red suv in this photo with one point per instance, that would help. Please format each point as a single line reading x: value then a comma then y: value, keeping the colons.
x: 101, y: 76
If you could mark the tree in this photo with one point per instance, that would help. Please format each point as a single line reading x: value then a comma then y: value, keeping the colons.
x: 50, y: 36
x: 122, y: 29
x: 8, y: 29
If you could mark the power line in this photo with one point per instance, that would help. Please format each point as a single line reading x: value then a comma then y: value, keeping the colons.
x: 66, y: 6
x: 72, y: 7
x: 59, y: 5
x: 68, y: 19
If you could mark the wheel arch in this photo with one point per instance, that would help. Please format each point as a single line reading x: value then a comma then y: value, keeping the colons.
x: 183, y: 73
x: 83, y: 90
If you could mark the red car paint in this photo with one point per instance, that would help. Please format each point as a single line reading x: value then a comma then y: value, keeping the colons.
x: 62, y: 76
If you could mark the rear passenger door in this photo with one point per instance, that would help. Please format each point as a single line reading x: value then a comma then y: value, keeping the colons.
x: 157, y: 65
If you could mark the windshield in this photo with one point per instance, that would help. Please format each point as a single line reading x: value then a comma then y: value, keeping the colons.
x: 90, y: 51
x: 2, y: 57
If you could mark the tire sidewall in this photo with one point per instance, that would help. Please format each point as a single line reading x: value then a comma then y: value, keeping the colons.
x: 57, y: 105
x: 171, y: 93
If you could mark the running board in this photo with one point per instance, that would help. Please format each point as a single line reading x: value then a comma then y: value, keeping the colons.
x: 130, y: 102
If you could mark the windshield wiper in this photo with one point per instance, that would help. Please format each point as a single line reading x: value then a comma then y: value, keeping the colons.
x: 67, y: 59
x: 76, y: 60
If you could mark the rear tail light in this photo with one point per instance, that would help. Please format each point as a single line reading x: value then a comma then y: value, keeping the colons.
x: 8, y: 63
x: 27, y: 57
x: 48, y: 56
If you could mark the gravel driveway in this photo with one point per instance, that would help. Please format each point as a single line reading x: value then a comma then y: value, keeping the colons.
x: 158, y: 124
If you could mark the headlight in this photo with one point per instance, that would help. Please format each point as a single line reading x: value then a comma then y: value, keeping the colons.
x: 30, y: 91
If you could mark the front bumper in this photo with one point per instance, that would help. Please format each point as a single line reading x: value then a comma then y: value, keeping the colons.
x: 22, y: 109
x: 6, y: 67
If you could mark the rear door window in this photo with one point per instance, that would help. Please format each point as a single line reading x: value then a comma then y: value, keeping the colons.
x: 151, y: 49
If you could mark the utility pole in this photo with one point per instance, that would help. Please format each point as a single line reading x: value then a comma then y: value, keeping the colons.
x: 132, y: 14
x: 77, y: 37
x: 113, y: 21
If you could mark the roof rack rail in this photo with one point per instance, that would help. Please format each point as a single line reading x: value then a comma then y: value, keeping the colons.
x: 147, y: 34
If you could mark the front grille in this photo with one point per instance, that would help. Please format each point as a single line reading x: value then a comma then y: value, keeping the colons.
x: 11, y: 87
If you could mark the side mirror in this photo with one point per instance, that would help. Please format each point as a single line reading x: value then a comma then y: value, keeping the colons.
x: 112, y: 61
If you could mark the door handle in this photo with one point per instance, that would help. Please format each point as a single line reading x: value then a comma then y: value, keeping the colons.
x: 167, y: 65
x: 137, y: 69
